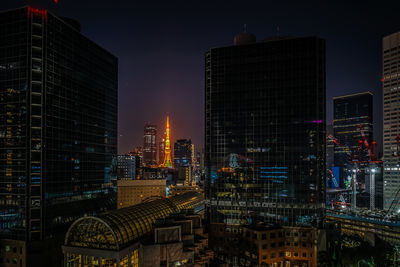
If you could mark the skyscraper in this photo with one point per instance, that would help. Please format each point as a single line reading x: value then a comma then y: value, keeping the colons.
x: 265, y: 130
x: 391, y: 125
x: 126, y: 165
x: 349, y: 113
x: 149, y: 145
x: 183, y: 153
x: 58, y: 128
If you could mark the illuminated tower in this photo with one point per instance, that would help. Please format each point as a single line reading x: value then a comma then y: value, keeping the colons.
x: 167, y: 149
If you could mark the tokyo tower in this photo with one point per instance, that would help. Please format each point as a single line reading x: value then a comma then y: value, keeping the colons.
x: 167, y: 148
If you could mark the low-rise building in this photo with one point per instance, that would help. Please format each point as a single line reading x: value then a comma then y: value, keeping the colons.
x: 264, y: 245
x: 132, y: 192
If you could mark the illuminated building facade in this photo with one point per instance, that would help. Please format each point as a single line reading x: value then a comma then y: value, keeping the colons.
x: 265, y: 106
x: 58, y: 123
x: 149, y: 145
x: 349, y: 112
x: 367, y: 228
x: 264, y: 245
x: 167, y: 163
x: 185, y: 175
x: 391, y: 125
x: 183, y: 153
x: 132, y: 192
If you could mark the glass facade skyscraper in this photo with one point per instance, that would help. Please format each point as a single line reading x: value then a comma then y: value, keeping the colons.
x: 265, y: 130
x: 58, y: 124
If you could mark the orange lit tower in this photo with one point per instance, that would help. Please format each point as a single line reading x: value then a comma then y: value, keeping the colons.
x: 167, y: 148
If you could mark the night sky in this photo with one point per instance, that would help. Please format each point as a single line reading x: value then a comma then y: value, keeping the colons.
x: 161, y: 46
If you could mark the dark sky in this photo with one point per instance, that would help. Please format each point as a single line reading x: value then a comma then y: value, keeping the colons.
x: 161, y: 46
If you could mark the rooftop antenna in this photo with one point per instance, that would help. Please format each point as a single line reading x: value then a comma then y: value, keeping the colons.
x: 245, y: 28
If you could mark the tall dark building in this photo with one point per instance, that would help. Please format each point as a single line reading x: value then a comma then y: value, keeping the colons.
x: 149, y: 145
x: 58, y: 128
x: 126, y: 166
x: 265, y: 130
x: 182, y: 153
x: 349, y: 113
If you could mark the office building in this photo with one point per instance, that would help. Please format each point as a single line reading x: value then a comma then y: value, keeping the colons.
x: 132, y: 192
x: 138, y: 154
x: 126, y: 166
x: 265, y: 119
x: 121, y: 237
x: 183, y: 153
x: 350, y: 112
x: 185, y: 175
x: 193, y: 156
x: 58, y: 123
x: 161, y: 148
x: 391, y: 122
x: 149, y: 145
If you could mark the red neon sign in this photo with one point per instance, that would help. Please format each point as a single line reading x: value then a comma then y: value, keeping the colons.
x: 37, y: 11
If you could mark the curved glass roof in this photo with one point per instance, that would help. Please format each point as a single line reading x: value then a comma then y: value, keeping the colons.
x: 116, y: 229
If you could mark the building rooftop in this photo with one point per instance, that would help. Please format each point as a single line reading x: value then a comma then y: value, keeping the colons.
x: 352, y: 95
x: 118, y: 229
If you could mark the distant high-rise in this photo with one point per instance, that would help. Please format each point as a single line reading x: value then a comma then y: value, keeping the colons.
x: 58, y: 128
x: 349, y: 113
x: 126, y: 165
x: 149, y: 145
x: 183, y: 153
x: 161, y: 148
x: 391, y: 114
x: 167, y: 163
x: 265, y: 130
